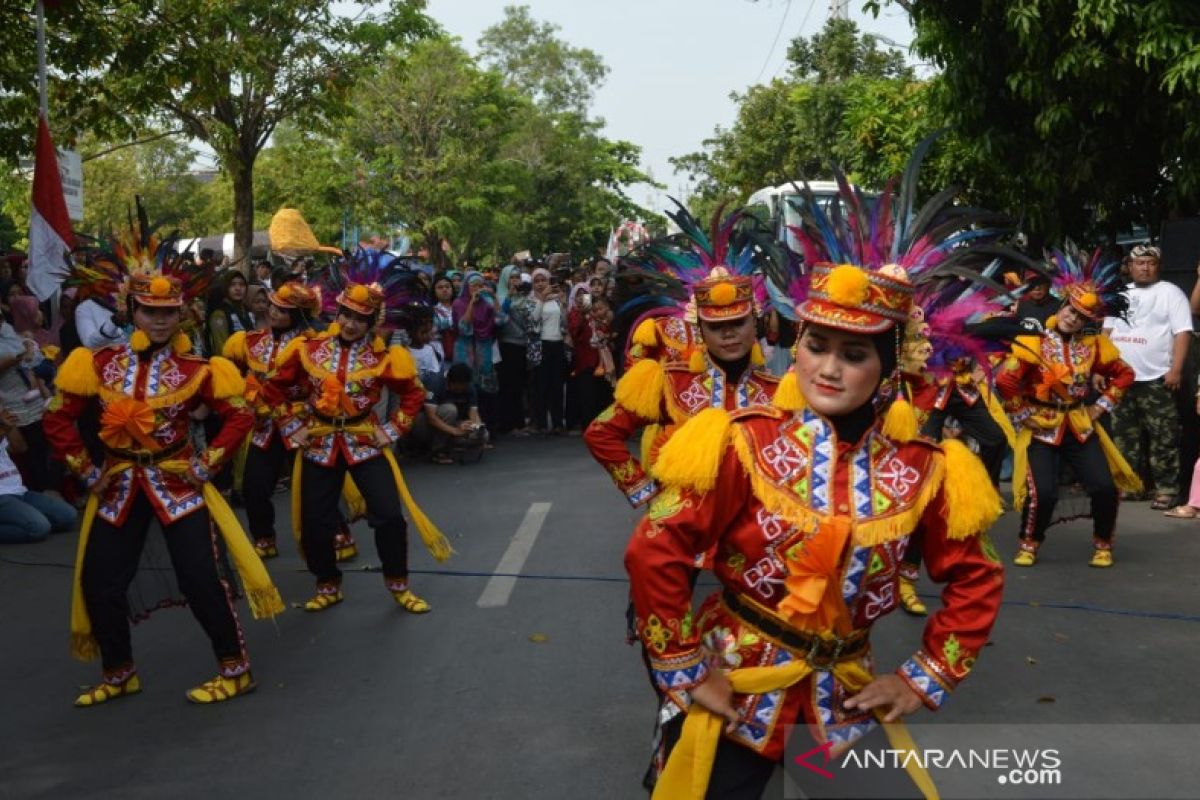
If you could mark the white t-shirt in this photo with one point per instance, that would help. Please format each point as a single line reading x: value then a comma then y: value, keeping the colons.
x: 10, y: 478
x: 551, y: 313
x: 428, y: 358
x: 1156, y: 314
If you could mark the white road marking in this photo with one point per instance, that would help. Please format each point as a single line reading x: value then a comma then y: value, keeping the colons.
x: 499, y: 588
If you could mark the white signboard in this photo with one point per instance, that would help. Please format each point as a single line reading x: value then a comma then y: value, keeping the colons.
x: 70, y: 169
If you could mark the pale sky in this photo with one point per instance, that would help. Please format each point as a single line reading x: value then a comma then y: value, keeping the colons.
x: 673, y: 63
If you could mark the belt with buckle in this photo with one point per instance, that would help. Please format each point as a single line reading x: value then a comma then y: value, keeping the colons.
x: 819, y: 652
x: 144, y: 458
x: 341, y: 423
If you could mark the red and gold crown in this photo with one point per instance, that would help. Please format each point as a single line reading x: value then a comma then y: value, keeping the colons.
x: 294, y: 294
x: 1085, y: 299
x: 159, y: 291
x: 362, y: 298
x: 722, y: 296
x: 855, y: 299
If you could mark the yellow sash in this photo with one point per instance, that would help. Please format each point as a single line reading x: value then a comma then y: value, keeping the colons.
x: 1125, y: 478
x: 437, y: 544
x: 690, y: 764
x: 261, y: 594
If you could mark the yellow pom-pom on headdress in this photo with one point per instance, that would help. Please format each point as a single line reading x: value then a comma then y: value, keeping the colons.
x: 723, y: 294
x: 848, y: 286
x: 359, y: 293
x: 160, y: 287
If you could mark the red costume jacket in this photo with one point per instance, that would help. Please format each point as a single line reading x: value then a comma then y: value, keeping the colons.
x: 258, y: 354
x: 786, y: 490
x: 146, y: 402
x: 341, y: 384
x: 683, y: 394
x: 1048, y: 376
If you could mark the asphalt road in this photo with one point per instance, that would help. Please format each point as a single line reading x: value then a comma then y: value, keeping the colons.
x: 524, y: 688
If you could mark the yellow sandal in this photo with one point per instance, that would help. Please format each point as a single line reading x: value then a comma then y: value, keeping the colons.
x: 410, y: 602
x: 909, y: 600
x: 266, y: 548
x: 323, y: 600
x: 103, y: 692
x: 220, y: 689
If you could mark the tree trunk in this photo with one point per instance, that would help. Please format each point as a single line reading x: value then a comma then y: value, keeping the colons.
x: 241, y: 173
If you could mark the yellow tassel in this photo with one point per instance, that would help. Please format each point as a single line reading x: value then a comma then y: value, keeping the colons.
x: 972, y: 503
x: 788, y: 396
x: 696, y: 361
x: 646, y: 334
x: 900, y: 422
x: 640, y: 389
x: 401, y: 363
x: 235, y: 348
x: 227, y: 381
x: 78, y: 374
x: 139, y: 341
x: 757, y: 359
x: 334, y: 329
x: 378, y: 344
x: 181, y: 343
x: 290, y: 350
x: 693, y: 455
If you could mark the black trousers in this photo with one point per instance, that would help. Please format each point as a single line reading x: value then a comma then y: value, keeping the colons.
x: 510, y: 412
x: 262, y: 472
x: 976, y: 423
x: 111, y: 561
x: 44, y: 474
x: 549, y: 379
x: 1091, y: 470
x: 320, y: 489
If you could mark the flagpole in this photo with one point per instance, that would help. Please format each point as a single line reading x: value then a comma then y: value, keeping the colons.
x: 41, y: 56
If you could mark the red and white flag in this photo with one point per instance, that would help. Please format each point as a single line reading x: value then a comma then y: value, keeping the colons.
x: 50, y: 237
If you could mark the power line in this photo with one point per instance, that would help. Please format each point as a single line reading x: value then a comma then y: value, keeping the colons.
x: 812, y: 4
x: 786, y: 10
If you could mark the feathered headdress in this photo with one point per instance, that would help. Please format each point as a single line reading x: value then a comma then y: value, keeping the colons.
x: 369, y: 281
x: 103, y: 269
x: 1093, y: 287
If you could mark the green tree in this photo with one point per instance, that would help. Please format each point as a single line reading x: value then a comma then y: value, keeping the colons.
x: 230, y: 71
x: 845, y: 100
x: 533, y: 58
x: 1078, y: 115
x: 312, y: 172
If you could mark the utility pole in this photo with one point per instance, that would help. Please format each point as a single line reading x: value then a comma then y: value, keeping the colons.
x: 839, y: 9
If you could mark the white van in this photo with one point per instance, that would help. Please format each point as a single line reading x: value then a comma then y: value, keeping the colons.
x: 783, y: 215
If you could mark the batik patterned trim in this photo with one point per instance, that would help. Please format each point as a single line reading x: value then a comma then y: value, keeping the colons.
x: 680, y: 673
x: 643, y: 493
x: 927, y: 678
x: 392, y: 432
x: 761, y: 711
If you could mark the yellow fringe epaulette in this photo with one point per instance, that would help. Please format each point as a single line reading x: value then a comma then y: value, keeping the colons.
x: 900, y: 421
x: 78, y: 374
x: 235, y: 348
x: 227, y: 380
x: 1027, y: 349
x: 692, y: 456
x: 290, y: 349
x: 972, y: 503
x: 1106, y: 351
x: 401, y: 363
x: 640, y: 389
x: 696, y: 361
x: 646, y: 334
x: 788, y: 396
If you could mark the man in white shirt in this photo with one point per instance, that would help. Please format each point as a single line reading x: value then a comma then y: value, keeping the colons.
x: 1154, y: 342
x: 98, y: 327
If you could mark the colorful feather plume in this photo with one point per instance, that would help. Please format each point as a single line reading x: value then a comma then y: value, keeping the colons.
x: 394, y: 275
x: 1073, y: 271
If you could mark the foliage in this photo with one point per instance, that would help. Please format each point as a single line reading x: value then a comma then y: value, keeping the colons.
x: 1075, y: 111
x: 534, y: 60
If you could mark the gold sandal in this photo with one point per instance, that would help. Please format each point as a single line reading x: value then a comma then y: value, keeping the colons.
x: 220, y: 689
x: 410, y: 602
x: 103, y: 692
x: 323, y: 600
x: 266, y: 548
x: 909, y: 600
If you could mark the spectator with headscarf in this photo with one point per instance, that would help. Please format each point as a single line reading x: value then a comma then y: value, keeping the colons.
x: 550, y: 313
x: 513, y: 333
x: 475, y: 319
x: 227, y: 313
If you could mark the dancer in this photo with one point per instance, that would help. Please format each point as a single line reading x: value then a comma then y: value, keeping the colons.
x: 810, y: 506
x: 342, y: 373
x: 1045, y: 383
x: 146, y: 391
